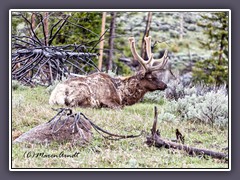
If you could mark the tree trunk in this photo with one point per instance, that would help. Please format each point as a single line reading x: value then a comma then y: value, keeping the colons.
x: 221, y: 50
x: 102, y: 41
x: 45, y: 22
x: 46, y: 40
x: 111, y: 41
x: 146, y: 33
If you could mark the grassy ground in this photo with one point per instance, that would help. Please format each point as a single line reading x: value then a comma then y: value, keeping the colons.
x: 30, y: 108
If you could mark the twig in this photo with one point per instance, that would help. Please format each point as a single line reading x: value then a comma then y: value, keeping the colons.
x: 50, y: 41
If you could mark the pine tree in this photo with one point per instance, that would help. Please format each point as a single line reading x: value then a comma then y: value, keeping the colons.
x: 214, y: 70
x: 81, y: 28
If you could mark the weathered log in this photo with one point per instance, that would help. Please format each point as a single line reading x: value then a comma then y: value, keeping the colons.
x: 59, y: 130
x: 156, y: 140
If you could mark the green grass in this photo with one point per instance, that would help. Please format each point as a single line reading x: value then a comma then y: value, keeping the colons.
x: 30, y: 108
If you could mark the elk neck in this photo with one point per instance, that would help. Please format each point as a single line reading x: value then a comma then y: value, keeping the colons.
x: 130, y: 89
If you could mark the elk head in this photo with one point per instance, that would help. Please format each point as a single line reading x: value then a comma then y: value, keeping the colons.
x: 152, y: 72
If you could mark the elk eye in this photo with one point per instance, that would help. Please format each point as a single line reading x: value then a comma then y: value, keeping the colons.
x: 149, y: 76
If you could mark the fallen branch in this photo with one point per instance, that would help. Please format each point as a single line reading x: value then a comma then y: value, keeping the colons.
x: 156, y: 140
x: 53, y: 53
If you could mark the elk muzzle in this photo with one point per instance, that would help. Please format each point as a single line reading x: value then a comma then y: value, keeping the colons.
x: 162, y: 86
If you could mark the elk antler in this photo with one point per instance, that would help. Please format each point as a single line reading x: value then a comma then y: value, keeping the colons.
x: 136, y: 55
x: 163, y: 61
x: 148, y: 65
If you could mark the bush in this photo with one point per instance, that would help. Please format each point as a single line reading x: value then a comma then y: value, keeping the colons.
x: 174, y: 34
x: 199, y: 104
x: 154, y: 97
x: 164, y: 27
x: 207, y: 104
x: 192, y: 27
x: 183, y: 86
x: 17, y: 85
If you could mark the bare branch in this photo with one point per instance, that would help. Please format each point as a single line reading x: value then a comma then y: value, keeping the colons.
x: 64, y: 21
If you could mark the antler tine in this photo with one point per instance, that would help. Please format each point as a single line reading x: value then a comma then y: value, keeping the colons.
x: 163, y: 61
x: 148, y: 65
x: 135, y: 54
x: 148, y: 46
x: 132, y: 45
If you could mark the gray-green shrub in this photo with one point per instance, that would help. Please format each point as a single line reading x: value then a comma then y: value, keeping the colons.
x: 17, y: 85
x: 210, y: 107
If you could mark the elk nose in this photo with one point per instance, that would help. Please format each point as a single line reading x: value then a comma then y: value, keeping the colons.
x: 165, y: 86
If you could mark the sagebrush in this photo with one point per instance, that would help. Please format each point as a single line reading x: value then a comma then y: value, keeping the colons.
x: 208, y: 104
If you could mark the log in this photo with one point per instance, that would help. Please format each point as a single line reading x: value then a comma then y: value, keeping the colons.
x: 156, y: 140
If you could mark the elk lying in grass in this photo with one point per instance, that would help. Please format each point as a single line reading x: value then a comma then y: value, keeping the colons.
x: 101, y: 90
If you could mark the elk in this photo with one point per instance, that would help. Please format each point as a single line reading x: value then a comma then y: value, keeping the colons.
x: 101, y: 90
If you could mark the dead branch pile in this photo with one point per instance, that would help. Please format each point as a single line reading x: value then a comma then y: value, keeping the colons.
x: 36, y: 61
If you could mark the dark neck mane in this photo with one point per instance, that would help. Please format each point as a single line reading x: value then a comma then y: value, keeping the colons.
x: 130, y: 89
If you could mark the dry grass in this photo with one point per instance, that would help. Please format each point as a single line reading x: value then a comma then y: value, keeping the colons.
x: 30, y: 108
